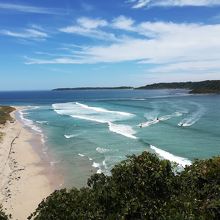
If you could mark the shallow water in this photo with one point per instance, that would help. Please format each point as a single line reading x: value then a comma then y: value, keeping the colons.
x: 91, y: 131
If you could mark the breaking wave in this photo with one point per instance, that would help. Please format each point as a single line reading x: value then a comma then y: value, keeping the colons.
x: 97, y: 114
x: 42, y: 122
x: 168, y: 156
x: 85, y: 112
x: 124, y: 130
x: 29, y: 123
x: 70, y: 136
x: 98, y: 166
x: 98, y: 109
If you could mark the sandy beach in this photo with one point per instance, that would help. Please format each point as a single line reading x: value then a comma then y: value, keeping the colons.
x: 23, y: 177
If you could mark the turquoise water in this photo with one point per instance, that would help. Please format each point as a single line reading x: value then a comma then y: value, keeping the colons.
x: 90, y: 132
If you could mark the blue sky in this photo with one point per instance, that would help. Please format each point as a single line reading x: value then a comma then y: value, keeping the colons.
x: 72, y: 43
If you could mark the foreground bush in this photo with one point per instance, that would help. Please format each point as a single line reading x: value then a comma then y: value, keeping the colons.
x: 141, y: 187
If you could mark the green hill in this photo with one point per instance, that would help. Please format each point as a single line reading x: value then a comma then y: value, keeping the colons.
x: 208, y: 86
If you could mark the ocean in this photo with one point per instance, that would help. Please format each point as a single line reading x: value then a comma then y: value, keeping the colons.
x: 90, y: 131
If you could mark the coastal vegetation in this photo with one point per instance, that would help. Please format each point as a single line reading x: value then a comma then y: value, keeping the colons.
x: 208, y: 86
x: 5, y: 114
x: 141, y: 187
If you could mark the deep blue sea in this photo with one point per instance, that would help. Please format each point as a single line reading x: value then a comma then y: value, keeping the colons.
x: 93, y: 130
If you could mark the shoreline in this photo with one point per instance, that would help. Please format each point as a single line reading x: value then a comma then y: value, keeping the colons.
x: 26, y: 178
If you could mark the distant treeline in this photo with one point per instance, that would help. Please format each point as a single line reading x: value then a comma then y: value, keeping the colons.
x: 208, y: 86
x: 92, y: 88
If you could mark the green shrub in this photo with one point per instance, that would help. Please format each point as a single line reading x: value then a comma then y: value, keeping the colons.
x: 5, y: 114
x: 141, y: 187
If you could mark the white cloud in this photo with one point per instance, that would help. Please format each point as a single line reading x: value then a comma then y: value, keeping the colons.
x: 91, y: 33
x: 89, y: 27
x: 123, y: 23
x: 204, y: 66
x: 91, y: 23
x: 140, y: 3
x: 170, y: 47
x: 29, y: 9
x: 172, y: 3
x: 30, y: 33
x: 168, y: 42
x: 61, y: 60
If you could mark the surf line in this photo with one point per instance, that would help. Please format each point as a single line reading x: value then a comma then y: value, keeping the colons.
x: 183, y: 162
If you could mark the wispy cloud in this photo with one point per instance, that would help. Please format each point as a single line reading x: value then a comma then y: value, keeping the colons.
x: 90, y: 23
x: 197, y: 66
x: 29, y: 33
x: 29, y: 9
x: 171, y: 47
x: 123, y: 23
x: 60, y: 60
x: 172, y: 3
x: 89, y: 27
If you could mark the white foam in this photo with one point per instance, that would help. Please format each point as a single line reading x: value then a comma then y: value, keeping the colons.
x: 98, y: 109
x: 29, y: 123
x: 168, y: 156
x: 137, y: 99
x: 104, y: 164
x: 158, y: 119
x: 102, y: 150
x: 167, y: 117
x: 85, y: 112
x: 70, y: 136
x: 89, y: 118
x: 81, y: 155
x: 97, y: 114
x: 96, y: 165
x: 193, y: 118
x: 149, y: 123
x: 99, y: 171
x: 124, y: 130
x: 42, y: 122
x: 101, y: 167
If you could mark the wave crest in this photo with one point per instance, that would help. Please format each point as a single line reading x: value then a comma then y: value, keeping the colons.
x: 124, y: 130
x: 168, y: 156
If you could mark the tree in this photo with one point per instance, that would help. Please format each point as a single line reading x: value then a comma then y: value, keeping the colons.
x: 141, y: 187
